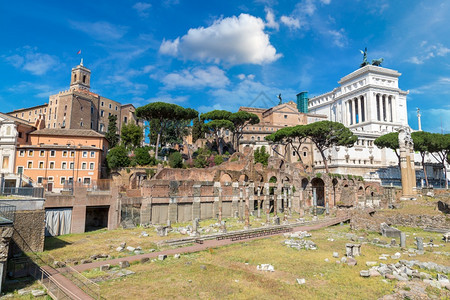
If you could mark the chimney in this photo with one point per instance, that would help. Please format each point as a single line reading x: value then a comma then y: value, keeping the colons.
x: 302, y: 102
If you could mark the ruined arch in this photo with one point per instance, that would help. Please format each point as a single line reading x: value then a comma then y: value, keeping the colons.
x: 273, y: 179
x: 243, y: 178
x: 304, y: 183
x: 226, y: 178
x: 318, y: 186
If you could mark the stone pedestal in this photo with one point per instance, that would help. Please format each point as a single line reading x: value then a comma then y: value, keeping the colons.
x: 196, y: 203
x: 235, y: 200
x: 402, y: 240
x: 173, y: 210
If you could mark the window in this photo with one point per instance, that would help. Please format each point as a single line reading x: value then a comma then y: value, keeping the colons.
x: 101, y: 127
x: 5, y: 162
x: 110, y: 106
x: 52, y: 165
x: 70, y: 180
x: 125, y: 120
x: 92, y: 109
x: 102, y: 113
x: 65, y: 107
x: 63, y: 180
x: 116, y: 107
x: 71, y: 165
x: 50, y: 179
x: 102, y: 103
x: 72, y: 153
x: 84, y: 78
x: 19, y: 170
x: 304, y: 153
x: 64, y: 165
x: 83, y: 166
x: 52, y: 153
x: 81, y: 124
x: 30, y: 165
x: 30, y: 153
x: 109, y: 114
x: 91, y: 166
x: 40, y: 179
x: 64, y: 154
x: 20, y: 134
x: 21, y: 153
x: 285, y: 116
x: 41, y: 165
x: 87, y: 180
x: 84, y: 154
x: 92, y: 154
x: 41, y: 153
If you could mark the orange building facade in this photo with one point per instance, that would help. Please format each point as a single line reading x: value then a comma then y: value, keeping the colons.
x: 54, y: 158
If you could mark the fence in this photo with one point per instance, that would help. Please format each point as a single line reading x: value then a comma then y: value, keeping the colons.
x: 35, y: 192
x: 7, y: 214
x: 87, y: 285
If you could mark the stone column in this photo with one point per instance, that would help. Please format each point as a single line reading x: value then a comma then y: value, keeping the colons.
x: 402, y: 239
x: 220, y: 204
x: 216, y: 188
x: 267, y: 201
x: 285, y: 204
x: 173, y: 210
x: 407, y: 164
x: 241, y: 198
x: 247, y: 208
x: 419, y: 243
x: 290, y: 195
x: 353, y: 112
x: 235, y: 200
x: 259, y: 202
x: 251, y: 197
x: 394, y: 110
x: 196, y: 202
x: 379, y: 110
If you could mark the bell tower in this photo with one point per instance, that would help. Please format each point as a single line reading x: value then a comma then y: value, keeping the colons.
x: 80, y: 78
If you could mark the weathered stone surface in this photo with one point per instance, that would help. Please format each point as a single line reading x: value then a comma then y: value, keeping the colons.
x: 162, y: 257
x: 265, y: 267
x: 389, y: 231
x: 301, y: 280
x: 38, y: 293
x: 144, y: 260
x: 105, y: 267
x: 124, y: 264
x: 351, y: 261
x: 364, y: 273
x: 131, y: 249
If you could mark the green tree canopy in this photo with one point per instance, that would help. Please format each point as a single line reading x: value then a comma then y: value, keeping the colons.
x: 422, y: 142
x: 289, y: 136
x: 216, y: 115
x: 117, y: 157
x: 131, y: 135
x: 164, y: 113
x: 325, y: 134
x: 440, y: 149
x: 389, y: 140
x: 215, y: 128
x: 240, y: 120
x: 111, y: 135
x: 142, y: 156
x: 197, y: 131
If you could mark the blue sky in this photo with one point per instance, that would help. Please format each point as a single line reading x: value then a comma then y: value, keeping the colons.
x: 223, y: 54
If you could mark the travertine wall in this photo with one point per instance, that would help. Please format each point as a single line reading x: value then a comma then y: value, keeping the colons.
x: 29, y: 228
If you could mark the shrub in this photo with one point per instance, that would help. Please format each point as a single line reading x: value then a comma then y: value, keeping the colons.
x: 175, y: 160
x: 117, y: 157
x: 218, y: 159
x: 142, y: 156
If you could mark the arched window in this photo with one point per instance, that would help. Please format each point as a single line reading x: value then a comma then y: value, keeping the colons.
x: 8, y: 130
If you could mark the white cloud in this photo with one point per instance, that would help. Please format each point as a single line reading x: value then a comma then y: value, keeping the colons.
x: 100, y: 30
x: 197, y: 78
x: 290, y: 22
x: 270, y: 19
x: 169, y: 47
x: 338, y: 36
x: 142, y: 8
x: 427, y: 52
x: 441, y: 86
x: 234, y: 40
x: 243, y: 76
x: 28, y: 59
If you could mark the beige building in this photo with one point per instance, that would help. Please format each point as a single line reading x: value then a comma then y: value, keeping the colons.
x: 273, y: 119
x: 79, y: 108
x: 53, y: 158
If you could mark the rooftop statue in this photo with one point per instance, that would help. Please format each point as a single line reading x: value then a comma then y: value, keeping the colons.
x: 364, y: 62
x: 375, y: 62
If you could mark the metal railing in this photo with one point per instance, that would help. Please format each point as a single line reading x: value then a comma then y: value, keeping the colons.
x: 7, y: 214
x: 36, y: 192
x: 84, y: 283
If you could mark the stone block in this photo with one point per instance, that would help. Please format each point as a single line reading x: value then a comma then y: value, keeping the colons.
x: 124, y: 264
x: 105, y: 267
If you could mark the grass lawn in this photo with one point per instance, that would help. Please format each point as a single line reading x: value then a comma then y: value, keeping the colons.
x: 75, y: 247
x: 230, y: 272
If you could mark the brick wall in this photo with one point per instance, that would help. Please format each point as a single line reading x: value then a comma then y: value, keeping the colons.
x: 29, y: 229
